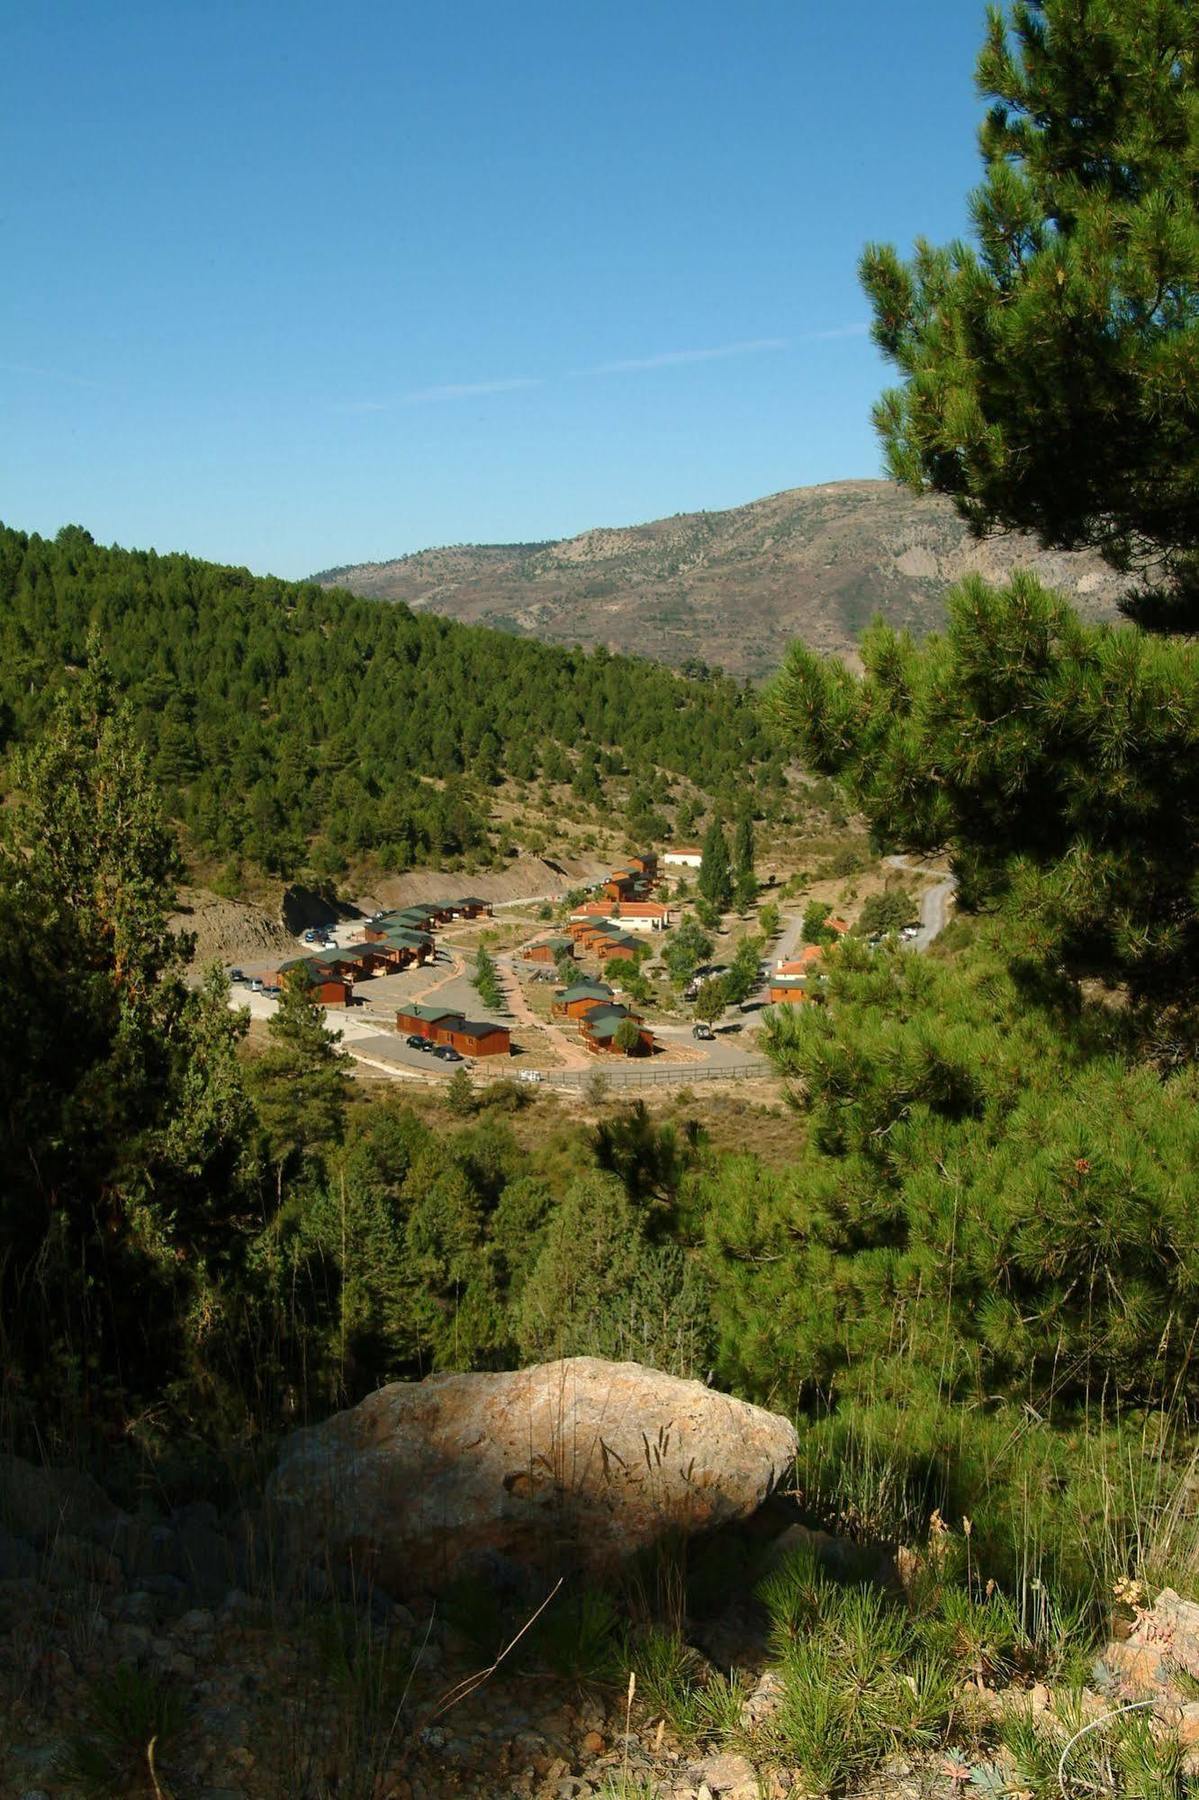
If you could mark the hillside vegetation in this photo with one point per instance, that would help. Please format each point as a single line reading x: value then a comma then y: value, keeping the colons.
x: 731, y: 589
x: 295, y: 727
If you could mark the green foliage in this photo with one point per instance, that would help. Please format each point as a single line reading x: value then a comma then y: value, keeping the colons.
x: 769, y: 920
x: 131, y: 1720
x: 652, y: 1161
x: 816, y: 929
x: 486, y: 980
x: 1124, y: 1757
x: 713, y: 997
x: 460, y: 1093
x: 708, y: 915
x: 743, y: 976
x: 578, y: 1637
x: 745, y: 891
x: 1049, y: 373
x: 601, y: 1287
x: 670, y: 1680
x: 300, y: 1085
x: 689, y: 946
x: 125, y: 1125
x: 977, y: 1189
x: 885, y: 912
x: 743, y: 844
x: 276, y: 714
x: 715, y: 870
x: 859, y: 1682
x: 1054, y: 758
x: 627, y: 1036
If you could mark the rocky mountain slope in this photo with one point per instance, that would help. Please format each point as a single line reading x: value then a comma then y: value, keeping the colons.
x: 730, y: 588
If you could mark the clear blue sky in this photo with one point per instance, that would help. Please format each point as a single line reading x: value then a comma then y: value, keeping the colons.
x: 293, y: 285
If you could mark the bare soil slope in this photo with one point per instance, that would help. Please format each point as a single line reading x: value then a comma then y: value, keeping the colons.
x: 229, y: 931
x: 731, y: 588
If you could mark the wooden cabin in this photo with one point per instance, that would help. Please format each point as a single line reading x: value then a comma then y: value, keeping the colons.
x: 323, y: 980
x: 549, y: 950
x: 478, y: 1037
x: 573, y: 1002
x: 441, y: 1025
x: 790, y: 990
x: 599, y: 1026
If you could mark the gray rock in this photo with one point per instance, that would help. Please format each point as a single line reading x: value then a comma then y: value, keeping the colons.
x: 19, y: 1561
x: 732, y: 1776
x: 574, y: 1463
x: 132, y: 1642
x: 138, y: 1608
x: 41, y: 1504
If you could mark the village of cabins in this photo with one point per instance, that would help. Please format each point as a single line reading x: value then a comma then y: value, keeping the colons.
x: 602, y: 928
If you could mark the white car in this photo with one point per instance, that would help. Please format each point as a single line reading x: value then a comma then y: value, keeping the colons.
x: 528, y: 1075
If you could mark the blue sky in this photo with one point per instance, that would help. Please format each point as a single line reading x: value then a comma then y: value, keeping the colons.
x: 293, y: 285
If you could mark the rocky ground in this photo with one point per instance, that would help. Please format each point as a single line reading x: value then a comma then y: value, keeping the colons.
x: 167, y: 1655
x: 229, y: 931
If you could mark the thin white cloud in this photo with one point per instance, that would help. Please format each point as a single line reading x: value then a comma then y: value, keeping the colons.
x: 668, y: 359
x: 468, y: 390
x: 835, y: 331
x: 83, y: 381
x: 629, y: 365
x: 452, y: 390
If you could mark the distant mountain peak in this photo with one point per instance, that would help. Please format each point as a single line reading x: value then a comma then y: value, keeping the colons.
x: 731, y: 588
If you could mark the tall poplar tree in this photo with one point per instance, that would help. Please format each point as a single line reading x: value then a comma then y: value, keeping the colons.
x: 715, y: 871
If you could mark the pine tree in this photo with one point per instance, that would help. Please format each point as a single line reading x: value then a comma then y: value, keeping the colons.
x: 460, y: 1093
x: 1051, y: 370
x: 300, y: 1084
x: 125, y: 1115
x: 715, y: 873
x: 711, y: 1000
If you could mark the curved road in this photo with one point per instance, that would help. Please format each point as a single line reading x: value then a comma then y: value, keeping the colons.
x: 934, y: 901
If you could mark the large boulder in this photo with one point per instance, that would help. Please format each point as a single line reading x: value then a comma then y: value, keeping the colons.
x: 573, y: 1464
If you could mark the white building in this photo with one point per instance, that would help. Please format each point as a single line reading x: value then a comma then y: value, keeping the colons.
x: 684, y: 856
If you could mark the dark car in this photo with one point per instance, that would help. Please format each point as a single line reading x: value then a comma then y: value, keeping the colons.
x: 237, y: 975
x: 417, y: 1043
x: 704, y: 1032
x: 426, y: 1044
x: 448, y: 1053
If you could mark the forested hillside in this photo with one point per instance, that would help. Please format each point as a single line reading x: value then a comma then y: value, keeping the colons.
x: 296, y: 726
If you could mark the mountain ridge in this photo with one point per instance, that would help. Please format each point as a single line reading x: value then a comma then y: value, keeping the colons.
x: 730, y: 588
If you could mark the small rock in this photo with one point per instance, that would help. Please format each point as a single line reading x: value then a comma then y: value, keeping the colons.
x: 593, y: 1744
x: 132, y: 1642
x: 137, y: 1608
x: 729, y: 1772
x: 18, y: 1560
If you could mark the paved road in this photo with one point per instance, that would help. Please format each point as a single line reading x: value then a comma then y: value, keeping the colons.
x: 934, y: 901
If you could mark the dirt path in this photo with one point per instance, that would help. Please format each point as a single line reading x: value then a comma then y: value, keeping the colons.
x: 572, y: 1054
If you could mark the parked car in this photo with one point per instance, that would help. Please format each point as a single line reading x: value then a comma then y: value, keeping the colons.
x: 703, y: 1032
x: 310, y: 936
x: 237, y: 975
x: 909, y: 932
x: 528, y: 1075
x: 256, y: 985
x: 447, y: 1053
x: 427, y: 1044
x: 416, y: 1043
